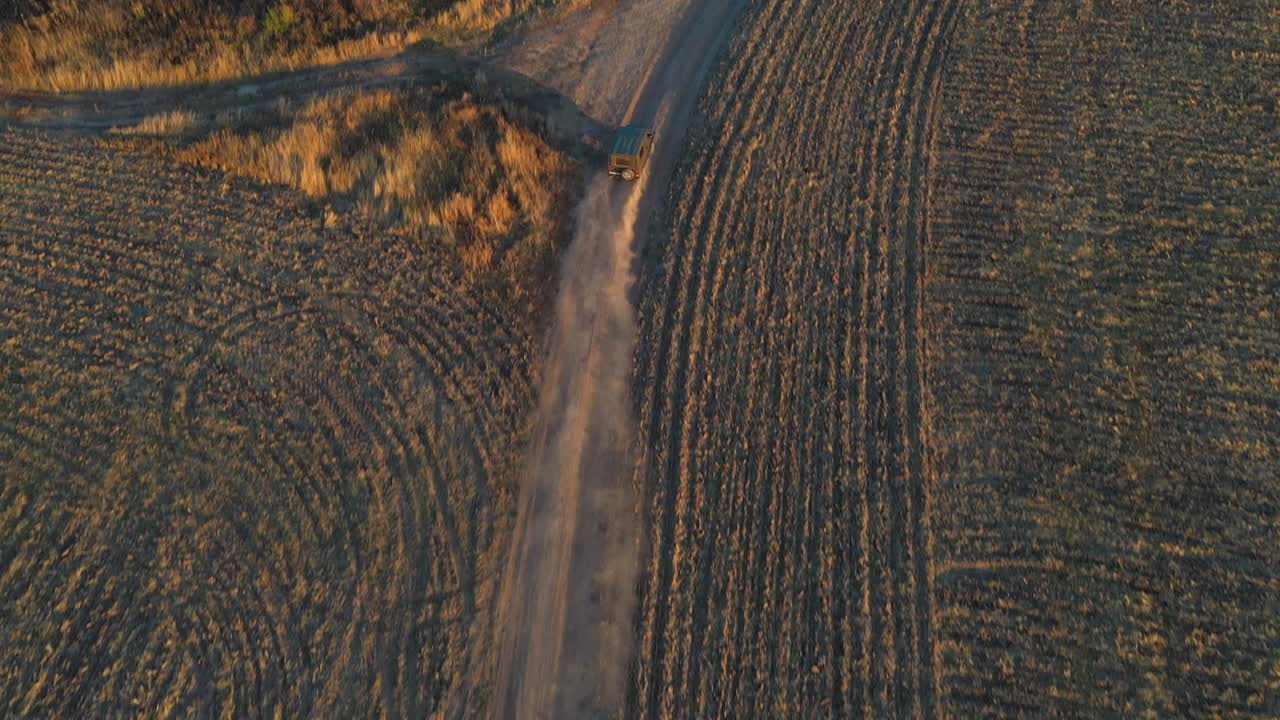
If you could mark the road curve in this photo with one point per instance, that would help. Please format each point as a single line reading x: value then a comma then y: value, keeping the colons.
x: 569, y: 595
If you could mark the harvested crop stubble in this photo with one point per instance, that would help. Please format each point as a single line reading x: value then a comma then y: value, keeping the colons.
x: 1079, y: 517
x: 248, y: 466
x: 779, y: 381
x: 1104, y: 303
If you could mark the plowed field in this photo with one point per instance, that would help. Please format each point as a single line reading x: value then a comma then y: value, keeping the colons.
x: 1104, y: 305
x: 956, y: 378
x: 780, y: 377
x: 251, y: 466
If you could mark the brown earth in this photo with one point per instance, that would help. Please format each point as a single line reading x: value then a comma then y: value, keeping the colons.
x: 604, y: 55
x: 780, y: 373
x: 956, y: 378
x: 956, y: 390
x: 331, y: 383
x: 252, y: 465
x: 1104, y: 309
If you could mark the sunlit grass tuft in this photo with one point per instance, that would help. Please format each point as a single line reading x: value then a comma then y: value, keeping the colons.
x: 169, y: 124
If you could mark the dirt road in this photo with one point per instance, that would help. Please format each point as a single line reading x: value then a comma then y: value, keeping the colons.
x: 569, y: 597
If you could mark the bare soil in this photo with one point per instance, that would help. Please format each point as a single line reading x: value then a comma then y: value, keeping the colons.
x: 252, y: 465
x: 779, y: 377
x: 340, y: 412
x: 601, y: 55
x: 1102, y: 301
x: 954, y: 389
x: 956, y: 377
x: 569, y: 596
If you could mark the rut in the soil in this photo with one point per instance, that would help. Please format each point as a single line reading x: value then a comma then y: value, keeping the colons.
x: 780, y: 377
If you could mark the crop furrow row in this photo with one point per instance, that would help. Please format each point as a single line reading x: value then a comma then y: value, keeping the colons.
x: 759, y: 521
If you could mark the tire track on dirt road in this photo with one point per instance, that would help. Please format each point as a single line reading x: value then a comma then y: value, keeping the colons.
x: 569, y: 595
x: 780, y: 377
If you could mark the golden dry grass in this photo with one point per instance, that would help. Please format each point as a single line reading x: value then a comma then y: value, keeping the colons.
x: 106, y: 46
x: 469, y: 176
x: 249, y: 466
x: 148, y: 43
x: 47, y: 62
x: 469, y: 20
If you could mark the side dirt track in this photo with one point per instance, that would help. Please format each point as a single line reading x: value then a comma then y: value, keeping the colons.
x: 252, y: 466
x: 779, y: 377
x: 420, y: 64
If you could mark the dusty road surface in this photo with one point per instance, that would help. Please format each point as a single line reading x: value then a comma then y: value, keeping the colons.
x: 1087, y: 525
x: 601, y: 55
x: 569, y: 599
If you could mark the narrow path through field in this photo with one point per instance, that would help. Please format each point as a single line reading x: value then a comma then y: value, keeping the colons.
x: 780, y: 377
x: 569, y: 598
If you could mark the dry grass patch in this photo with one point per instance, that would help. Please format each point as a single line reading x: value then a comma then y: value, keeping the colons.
x: 65, y: 46
x: 249, y: 467
x: 471, y: 177
x: 113, y: 45
x: 167, y: 124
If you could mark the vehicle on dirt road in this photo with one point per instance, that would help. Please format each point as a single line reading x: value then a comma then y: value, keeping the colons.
x: 632, y: 147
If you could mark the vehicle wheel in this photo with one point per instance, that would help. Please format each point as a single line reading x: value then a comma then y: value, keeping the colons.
x: 628, y: 174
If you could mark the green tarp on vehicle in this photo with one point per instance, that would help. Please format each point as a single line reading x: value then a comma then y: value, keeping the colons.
x: 628, y: 140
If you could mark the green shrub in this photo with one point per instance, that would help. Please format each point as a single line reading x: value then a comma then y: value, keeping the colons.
x: 280, y: 19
